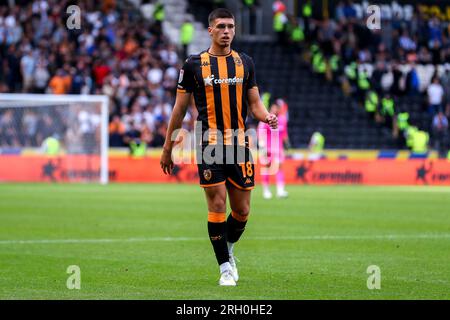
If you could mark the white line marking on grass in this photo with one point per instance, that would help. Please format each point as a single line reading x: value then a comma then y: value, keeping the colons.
x: 175, y: 239
x: 420, y: 189
x: 360, y: 237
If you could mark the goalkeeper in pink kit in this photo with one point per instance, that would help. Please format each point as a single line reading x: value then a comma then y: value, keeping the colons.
x: 271, y: 145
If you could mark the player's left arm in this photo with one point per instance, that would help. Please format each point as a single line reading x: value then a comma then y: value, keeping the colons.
x: 258, y: 109
x: 255, y: 105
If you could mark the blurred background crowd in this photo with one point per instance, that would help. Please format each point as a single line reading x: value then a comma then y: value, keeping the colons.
x: 117, y: 52
x: 125, y: 54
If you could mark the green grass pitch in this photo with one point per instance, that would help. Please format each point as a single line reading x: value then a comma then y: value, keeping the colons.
x: 142, y: 241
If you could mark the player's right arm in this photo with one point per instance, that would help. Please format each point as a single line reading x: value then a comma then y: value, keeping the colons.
x: 176, y: 120
x: 183, y: 98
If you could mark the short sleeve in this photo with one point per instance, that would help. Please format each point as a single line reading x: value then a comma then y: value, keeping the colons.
x: 251, y: 81
x: 186, y: 78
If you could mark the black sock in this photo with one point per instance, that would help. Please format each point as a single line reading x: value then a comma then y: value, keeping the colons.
x: 218, y: 237
x: 235, y: 228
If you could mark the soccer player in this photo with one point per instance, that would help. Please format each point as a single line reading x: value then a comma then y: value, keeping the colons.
x: 223, y: 84
x: 272, y: 146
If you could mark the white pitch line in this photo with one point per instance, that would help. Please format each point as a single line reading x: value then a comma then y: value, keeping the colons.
x: 174, y: 239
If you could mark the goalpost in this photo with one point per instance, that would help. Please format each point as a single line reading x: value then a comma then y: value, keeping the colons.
x: 46, y: 137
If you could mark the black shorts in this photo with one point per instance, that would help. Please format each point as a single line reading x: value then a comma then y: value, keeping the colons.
x: 236, y: 169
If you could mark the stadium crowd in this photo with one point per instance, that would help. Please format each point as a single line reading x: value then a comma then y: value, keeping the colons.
x: 402, y: 58
x: 114, y: 52
x: 119, y: 53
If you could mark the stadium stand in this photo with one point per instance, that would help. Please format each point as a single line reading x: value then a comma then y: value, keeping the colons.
x: 400, y: 59
x: 313, y: 104
x: 116, y: 52
x: 129, y: 50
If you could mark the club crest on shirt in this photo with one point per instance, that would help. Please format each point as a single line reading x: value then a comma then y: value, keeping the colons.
x: 238, y: 61
x: 207, y: 174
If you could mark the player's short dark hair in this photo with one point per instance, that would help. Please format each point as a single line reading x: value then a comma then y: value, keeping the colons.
x: 219, y: 13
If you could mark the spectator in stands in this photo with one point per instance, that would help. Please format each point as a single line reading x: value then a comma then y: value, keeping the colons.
x: 412, y: 81
x: 41, y: 76
x: 280, y: 21
x: 363, y: 84
x: 435, y: 50
x: 406, y: 42
x: 8, y: 133
x: 306, y: 9
x: 445, y: 52
x: 14, y: 79
x: 146, y: 133
x: 295, y: 34
x: 149, y: 117
x: 445, y: 80
x: 396, y: 88
x: 349, y: 11
x: 133, y: 134
x: 30, y: 126
x: 388, y: 114
x: 58, y: 84
x: 440, y: 134
x: 51, y: 146
x: 78, y: 80
x: 186, y: 36
x: 339, y: 15
x: 155, y: 75
x: 377, y: 76
x: 46, y: 128
x: 162, y: 111
x: 420, y: 141
x: 435, y: 94
x: 402, y: 125
x: 278, y: 6
x: 424, y: 56
x: 88, y: 123
x: 160, y: 135
x: 325, y: 36
x: 116, y: 132
x: 159, y: 14
x: 100, y: 70
x: 316, y: 145
x: 371, y: 104
x: 434, y: 33
x: 117, y: 53
x: 27, y: 68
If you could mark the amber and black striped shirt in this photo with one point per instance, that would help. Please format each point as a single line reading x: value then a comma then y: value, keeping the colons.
x: 220, y: 87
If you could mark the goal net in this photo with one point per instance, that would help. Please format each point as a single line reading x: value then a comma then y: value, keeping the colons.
x: 56, y: 138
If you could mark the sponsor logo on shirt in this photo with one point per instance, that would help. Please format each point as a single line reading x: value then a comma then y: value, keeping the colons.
x: 209, y: 81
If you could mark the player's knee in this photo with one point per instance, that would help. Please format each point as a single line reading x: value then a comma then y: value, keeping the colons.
x: 245, y: 212
x: 242, y: 213
x: 218, y: 205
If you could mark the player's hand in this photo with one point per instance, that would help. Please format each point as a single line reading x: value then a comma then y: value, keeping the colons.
x: 272, y: 121
x: 166, y: 161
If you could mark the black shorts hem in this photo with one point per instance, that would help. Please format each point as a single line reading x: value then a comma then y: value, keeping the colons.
x: 212, y: 184
x: 235, y: 184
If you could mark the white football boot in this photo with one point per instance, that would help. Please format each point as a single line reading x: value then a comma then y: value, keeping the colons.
x: 226, y: 278
x: 234, y: 269
x: 282, y: 194
x: 267, y: 194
